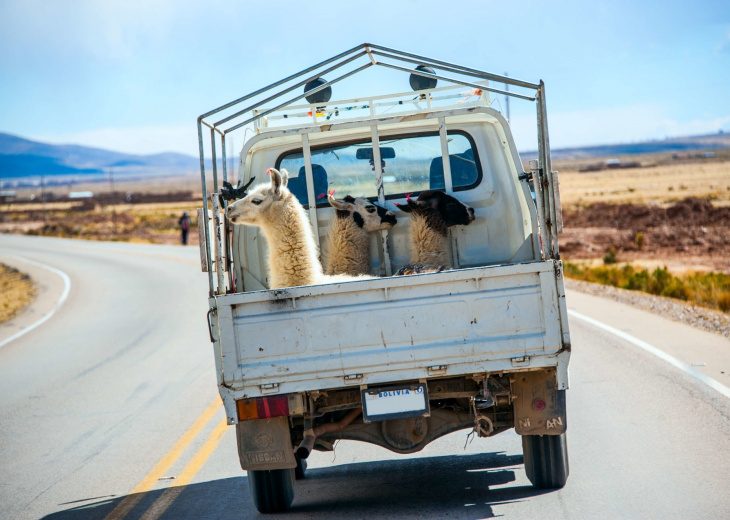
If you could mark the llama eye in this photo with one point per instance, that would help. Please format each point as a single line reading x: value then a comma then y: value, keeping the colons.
x: 370, y: 209
x: 257, y: 202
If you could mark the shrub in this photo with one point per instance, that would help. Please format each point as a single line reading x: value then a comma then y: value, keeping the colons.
x: 723, y: 301
x: 610, y: 256
x: 639, y: 240
x: 710, y: 290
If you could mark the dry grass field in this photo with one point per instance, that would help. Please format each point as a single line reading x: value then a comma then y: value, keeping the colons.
x: 692, y: 238
x: 661, y: 228
x: 155, y: 223
x: 17, y: 290
x: 668, y: 211
x: 661, y: 184
x: 189, y: 182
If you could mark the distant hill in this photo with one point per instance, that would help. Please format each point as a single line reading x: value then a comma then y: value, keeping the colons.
x: 676, y: 144
x: 25, y: 158
x: 20, y: 158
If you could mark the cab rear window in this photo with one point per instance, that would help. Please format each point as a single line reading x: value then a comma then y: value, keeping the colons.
x: 410, y: 164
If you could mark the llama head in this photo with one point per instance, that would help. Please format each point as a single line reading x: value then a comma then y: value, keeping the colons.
x: 254, y: 207
x: 449, y: 210
x: 366, y: 215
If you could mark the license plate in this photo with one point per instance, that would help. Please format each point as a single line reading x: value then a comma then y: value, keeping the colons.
x: 395, y: 402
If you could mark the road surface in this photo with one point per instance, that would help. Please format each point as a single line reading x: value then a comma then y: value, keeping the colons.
x: 109, y: 409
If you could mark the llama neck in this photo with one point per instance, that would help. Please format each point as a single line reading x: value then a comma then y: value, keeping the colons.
x: 429, y: 241
x: 348, y: 248
x: 293, y: 259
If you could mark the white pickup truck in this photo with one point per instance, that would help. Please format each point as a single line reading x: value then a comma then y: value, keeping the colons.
x: 397, y: 361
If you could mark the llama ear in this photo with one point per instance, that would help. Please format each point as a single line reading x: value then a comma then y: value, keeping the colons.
x: 339, y: 204
x: 411, y: 205
x: 278, y: 180
x: 284, y: 177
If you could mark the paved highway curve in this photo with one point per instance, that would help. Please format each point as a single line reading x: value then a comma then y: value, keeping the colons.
x: 109, y: 409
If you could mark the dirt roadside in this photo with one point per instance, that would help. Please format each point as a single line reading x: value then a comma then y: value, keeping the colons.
x: 17, y: 291
x: 689, y: 235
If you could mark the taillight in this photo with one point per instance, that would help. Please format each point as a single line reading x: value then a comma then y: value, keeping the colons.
x: 537, y: 404
x: 262, y: 407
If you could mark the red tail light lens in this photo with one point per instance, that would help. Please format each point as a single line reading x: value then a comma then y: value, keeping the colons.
x: 262, y: 407
x: 538, y: 404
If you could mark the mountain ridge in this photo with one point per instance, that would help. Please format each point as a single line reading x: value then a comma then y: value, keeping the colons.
x: 22, y: 158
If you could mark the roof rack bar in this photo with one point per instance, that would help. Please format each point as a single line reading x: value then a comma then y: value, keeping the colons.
x: 460, y: 82
x: 289, y: 89
x: 419, y: 62
x: 289, y: 102
x: 486, y: 75
x: 293, y: 76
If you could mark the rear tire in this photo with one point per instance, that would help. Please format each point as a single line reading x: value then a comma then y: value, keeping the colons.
x: 301, y: 469
x: 546, y: 460
x: 272, y: 491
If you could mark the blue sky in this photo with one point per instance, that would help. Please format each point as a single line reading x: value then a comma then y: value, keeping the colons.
x: 133, y: 76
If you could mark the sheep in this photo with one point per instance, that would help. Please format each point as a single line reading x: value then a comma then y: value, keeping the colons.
x: 348, y: 242
x: 431, y: 215
x: 292, y: 251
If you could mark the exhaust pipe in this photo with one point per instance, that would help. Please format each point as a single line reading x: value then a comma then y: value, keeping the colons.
x: 305, y: 448
x: 307, y: 444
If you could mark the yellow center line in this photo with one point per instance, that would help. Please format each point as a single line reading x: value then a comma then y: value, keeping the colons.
x: 186, y: 476
x: 147, y: 483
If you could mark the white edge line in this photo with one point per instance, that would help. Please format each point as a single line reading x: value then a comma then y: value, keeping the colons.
x: 712, y: 383
x: 64, y: 295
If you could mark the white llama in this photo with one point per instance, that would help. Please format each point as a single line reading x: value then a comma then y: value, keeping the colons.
x: 292, y: 251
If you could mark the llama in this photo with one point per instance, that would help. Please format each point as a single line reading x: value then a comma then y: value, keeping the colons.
x: 431, y: 216
x: 292, y: 251
x: 348, y: 242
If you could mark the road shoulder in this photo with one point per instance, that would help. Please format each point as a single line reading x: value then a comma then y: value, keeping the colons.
x: 50, y: 289
x: 707, y: 352
x: 676, y: 310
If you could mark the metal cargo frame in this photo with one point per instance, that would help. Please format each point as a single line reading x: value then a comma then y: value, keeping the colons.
x: 546, y: 197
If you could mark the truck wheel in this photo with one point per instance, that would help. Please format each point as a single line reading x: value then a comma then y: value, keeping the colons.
x: 272, y: 491
x: 301, y: 469
x: 546, y: 460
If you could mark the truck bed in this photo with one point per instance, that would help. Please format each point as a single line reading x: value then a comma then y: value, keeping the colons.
x: 467, y: 321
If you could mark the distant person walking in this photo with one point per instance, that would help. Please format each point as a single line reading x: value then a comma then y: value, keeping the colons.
x: 184, y: 227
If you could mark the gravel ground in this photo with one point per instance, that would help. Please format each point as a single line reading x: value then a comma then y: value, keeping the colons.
x: 705, y: 319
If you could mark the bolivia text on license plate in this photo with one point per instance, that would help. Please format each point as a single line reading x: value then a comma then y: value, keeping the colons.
x: 382, y: 404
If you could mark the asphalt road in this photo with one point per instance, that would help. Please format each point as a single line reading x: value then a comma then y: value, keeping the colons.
x: 109, y: 410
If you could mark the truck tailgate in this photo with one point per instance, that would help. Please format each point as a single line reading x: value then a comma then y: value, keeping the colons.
x: 465, y: 321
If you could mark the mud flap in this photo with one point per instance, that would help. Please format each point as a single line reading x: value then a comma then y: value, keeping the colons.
x: 539, y: 406
x: 265, y: 444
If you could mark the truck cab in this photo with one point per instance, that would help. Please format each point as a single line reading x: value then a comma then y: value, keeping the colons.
x: 397, y: 361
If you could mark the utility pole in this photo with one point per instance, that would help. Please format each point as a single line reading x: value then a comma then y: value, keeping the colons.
x: 43, y: 198
x: 506, y: 87
x: 232, y: 159
x: 111, y: 198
